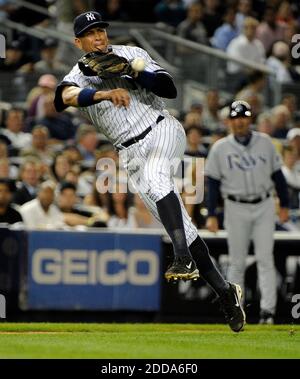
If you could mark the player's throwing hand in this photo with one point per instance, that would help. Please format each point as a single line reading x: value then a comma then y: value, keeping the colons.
x: 119, y: 97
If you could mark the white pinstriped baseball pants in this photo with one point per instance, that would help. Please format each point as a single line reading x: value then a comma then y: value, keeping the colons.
x: 148, y: 163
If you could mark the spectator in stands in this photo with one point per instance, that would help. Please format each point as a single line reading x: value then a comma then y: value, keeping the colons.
x: 3, y: 150
x: 40, y: 148
x: 293, y: 138
x: 212, y: 16
x: 118, y: 212
x: 8, y: 214
x: 255, y: 84
x: 87, y: 141
x: 195, y: 146
x: 112, y: 10
x: 73, y: 175
x: 253, y: 91
x: 35, y: 99
x: 141, y: 216
x: 279, y: 62
x: 15, y: 57
x: 193, y: 117
x: 7, y: 170
x: 284, y: 14
x: 59, y: 125
x: 170, y: 12
x: 192, y: 27
x: 49, y: 63
x: 73, y: 154
x: 290, y: 101
x: 246, y: 46
x: 42, y: 213
x: 225, y: 33
x: 4, y: 168
x: 264, y: 124
x: 98, y: 199
x: 210, y: 115
x: 291, y: 172
x: 60, y: 167
x: 74, y: 214
x: 29, y: 175
x: 281, y: 119
x: 269, y: 31
x: 14, y: 124
x: 244, y: 11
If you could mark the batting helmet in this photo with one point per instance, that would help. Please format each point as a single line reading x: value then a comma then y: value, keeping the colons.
x: 240, y: 109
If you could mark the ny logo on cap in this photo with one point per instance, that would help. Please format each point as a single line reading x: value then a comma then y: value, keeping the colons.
x: 90, y: 16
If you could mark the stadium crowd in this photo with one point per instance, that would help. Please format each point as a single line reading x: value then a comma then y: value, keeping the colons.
x: 49, y: 162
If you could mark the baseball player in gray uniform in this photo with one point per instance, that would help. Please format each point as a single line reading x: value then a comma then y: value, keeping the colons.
x: 130, y: 112
x: 244, y: 167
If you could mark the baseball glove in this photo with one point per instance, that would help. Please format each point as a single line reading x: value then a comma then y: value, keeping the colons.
x: 104, y: 65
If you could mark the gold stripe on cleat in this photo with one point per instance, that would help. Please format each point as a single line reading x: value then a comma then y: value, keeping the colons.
x: 188, y: 276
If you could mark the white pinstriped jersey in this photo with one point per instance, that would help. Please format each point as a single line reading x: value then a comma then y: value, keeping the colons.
x: 243, y: 170
x: 121, y: 124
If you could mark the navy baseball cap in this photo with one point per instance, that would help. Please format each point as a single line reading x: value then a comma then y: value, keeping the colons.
x: 240, y: 109
x: 86, y: 21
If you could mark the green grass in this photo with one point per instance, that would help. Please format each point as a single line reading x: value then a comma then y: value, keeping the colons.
x: 41, y: 340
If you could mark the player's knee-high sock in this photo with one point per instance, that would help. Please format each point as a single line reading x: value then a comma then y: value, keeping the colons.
x: 169, y: 211
x: 206, y: 267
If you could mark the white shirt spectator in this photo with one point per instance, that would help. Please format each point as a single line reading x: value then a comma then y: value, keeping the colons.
x: 241, y: 47
x: 35, y: 217
x: 292, y: 175
x: 117, y: 222
x: 281, y: 72
x: 19, y: 140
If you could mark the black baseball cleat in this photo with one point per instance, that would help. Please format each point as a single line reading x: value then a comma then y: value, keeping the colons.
x: 182, y: 268
x: 232, y: 308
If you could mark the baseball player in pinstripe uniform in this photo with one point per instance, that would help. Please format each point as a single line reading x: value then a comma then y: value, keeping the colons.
x: 130, y: 112
x: 244, y: 167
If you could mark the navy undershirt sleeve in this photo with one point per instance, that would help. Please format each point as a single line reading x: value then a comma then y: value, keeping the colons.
x: 160, y: 83
x: 281, y: 188
x: 212, y: 195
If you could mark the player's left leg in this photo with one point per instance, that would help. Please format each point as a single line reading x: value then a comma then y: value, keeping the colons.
x: 167, y: 149
x: 263, y: 238
x: 229, y: 294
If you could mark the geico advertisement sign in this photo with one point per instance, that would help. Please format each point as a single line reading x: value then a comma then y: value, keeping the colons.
x: 52, y: 266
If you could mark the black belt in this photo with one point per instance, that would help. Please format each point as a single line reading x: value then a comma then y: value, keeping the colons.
x: 254, y: 201
x: 142, y: 135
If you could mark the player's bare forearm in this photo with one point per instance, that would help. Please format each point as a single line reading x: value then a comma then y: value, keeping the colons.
x: 119, y: 97
x: 72, y: 96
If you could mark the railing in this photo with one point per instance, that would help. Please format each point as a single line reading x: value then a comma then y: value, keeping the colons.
x: 37, y: 31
